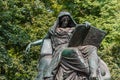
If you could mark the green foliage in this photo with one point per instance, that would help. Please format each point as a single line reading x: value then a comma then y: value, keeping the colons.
x: 20, y: 23
x: 28, y: 20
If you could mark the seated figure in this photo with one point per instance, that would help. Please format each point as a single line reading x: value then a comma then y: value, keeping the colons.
x: 60, y: 62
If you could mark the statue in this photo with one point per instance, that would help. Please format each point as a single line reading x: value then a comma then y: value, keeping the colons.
x: 63, y: 57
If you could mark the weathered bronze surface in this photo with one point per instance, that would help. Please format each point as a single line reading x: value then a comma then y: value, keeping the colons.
x: 94, y: 37
x: 86, y: 35
x: 72, y: 54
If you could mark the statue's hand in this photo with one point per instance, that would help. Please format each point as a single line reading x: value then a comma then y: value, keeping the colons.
x: 28, y: 48
x: 87, y: 25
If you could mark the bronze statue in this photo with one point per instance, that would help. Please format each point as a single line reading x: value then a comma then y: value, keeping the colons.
x: 64, y: 58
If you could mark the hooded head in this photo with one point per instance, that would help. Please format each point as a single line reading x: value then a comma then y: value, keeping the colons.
x: 64, y: 20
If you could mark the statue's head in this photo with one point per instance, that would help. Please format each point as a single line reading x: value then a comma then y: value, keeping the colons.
x: 65, y: 20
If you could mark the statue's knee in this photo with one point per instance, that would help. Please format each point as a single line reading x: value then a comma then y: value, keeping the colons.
x: 68, y: 52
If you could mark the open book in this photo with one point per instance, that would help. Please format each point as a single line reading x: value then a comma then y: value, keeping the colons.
x: 86, y: 36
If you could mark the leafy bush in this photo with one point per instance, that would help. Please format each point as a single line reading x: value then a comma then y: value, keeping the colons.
x: 28, y: 20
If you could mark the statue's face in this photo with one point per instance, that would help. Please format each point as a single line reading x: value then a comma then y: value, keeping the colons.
x: 64, y: 21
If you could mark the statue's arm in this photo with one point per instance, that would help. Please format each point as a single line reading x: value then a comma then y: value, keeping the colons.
x: 38, y: 42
